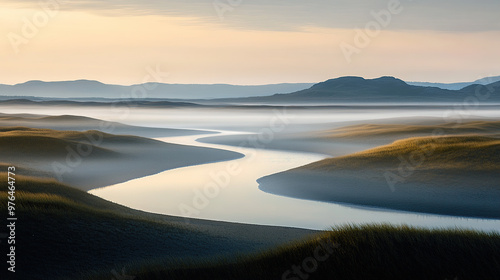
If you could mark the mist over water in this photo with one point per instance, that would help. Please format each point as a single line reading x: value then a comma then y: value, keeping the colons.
x: 255, y: 118
x: 236, y: 197
x: 183, y: 192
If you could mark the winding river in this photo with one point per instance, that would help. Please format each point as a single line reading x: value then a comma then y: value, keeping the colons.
x: 228, y: 191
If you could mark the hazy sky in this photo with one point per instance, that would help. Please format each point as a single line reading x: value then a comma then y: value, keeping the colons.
x: 248, y: 42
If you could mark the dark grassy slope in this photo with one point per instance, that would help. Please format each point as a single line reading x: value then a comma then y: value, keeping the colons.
x: 451, y: 175
x: 63, y: 232
x: 66, y: 233
x: 367, y: 252
x: 78, y: 123
x: 93, y: 159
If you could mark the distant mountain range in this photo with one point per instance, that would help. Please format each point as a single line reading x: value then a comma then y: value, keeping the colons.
x: 335, y: 91
x: 101, y: 103
x: 457, y: 86
x: 380, y: 90
x: 95, y: 89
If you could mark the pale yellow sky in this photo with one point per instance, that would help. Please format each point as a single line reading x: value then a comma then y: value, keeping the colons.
x: 117, y: 48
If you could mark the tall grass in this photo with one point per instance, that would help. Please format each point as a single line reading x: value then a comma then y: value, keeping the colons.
x: 64, y: 233
x: 362, y: 252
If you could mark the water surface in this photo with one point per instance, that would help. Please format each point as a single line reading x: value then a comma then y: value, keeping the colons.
x: 228, y: 191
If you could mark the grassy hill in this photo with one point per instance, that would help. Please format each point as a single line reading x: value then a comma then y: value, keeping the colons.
x: 370, y: 131
x: 64, y: 233
x: 16, y: 142
x: 79, y: 123
x: 69, y: 234
x: 85, y: 159
x: 358, y: 252
x: 450, y: 175
x: 464, y: 153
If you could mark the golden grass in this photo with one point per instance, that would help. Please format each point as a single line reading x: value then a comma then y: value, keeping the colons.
x: 36, y: 195
x: 21, y: 131
x: 47, y: 192
x: 47, y: 143
x: 442, y: 152
x: 387, y: 130
x: 358, y: 252
x: 402, y: 252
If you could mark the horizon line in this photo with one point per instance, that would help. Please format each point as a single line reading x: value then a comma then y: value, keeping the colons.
x: 230, y: 84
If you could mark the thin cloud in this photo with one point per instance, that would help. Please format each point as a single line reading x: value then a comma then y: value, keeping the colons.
x: 444, y: 15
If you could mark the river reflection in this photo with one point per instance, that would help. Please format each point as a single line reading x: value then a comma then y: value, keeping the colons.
x: 228, y: 191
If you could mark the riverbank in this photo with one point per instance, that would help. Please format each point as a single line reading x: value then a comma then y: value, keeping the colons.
x: 446, y: 175
x: 64, y: 233
x: 93, y: 159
